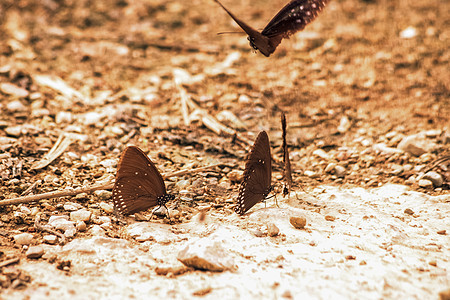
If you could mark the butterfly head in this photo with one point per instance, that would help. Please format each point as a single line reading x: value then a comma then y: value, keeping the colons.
x: 162, y: 200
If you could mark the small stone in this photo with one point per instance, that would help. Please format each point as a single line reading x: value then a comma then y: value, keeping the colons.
x: 408, y: 33
x: 311, y: 174
x: 25, y: 210
x: 330, y: 168
x: 258, y: 233
x: 108, y: 208
x: 330, y: 218
x: 80, y: 226
x: 425, y: 183
x: 160, y: 211
x: 411, y: 145
x: 272, y: 229
x: 344, y: 124
x: 442, y: 232
x: 23, y: 238
x: 409, y: 211
x: 103, y: 195
x: 432, y: 263
x: 183, y: 184
x: 50, y: 239
x: 434, y: 177
x: 71, y: 206
x: 14, y: 131
x: 102, y: 220
x: 34, y: 252
x: 92, y: 118
x: 97, y: 231
x: 16, y: 106
x: 14, y: 90
x: 80, y: 215
x: 206, y: 254
x: 322, y: 154
x: 235, y: 176
x: 64, y: 117
x: 298, y: 222
x: 339, y: 171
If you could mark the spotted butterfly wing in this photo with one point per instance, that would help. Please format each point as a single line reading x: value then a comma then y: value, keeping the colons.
x: 290, y: 19
x: 257, y: 175
x: 138, y: 185
x: 287, y: 162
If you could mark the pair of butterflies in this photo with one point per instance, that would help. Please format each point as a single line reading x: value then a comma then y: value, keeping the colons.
x: 139, y: 185
x: 293, y: 17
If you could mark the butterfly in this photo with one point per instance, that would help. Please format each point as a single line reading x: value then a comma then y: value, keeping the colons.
x: 291, y: 18
x: 138, y: 185
x: 287, y: 163
x: 256, y: 184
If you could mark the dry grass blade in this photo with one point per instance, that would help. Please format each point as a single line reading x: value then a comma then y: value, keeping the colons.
x: 60, y: 146
x: 61, y: 86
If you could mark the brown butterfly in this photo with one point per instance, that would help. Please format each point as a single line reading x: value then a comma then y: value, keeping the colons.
x: 138, y: 185
x: 290, y: 19
x: 287, y: 163
x: 257, y: 175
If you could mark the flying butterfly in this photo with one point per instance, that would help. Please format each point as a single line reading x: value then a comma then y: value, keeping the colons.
x: 291, y: 18
x: 287, y: 163
x: 138, y: 185
x: 256, y: 184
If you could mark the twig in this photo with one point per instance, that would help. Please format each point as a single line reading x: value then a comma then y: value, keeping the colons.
x: 100, y: 186
x: 60, y: 146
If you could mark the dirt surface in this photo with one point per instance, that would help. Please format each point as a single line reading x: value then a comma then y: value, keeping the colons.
x: 361, y: 82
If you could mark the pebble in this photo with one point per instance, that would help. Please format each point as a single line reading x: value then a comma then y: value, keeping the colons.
x: 409, y: 211
x: 235, y: 175
x: 63, y: 223
x: 383, y: 148
x: 160, y: 211
x: 408, y: 33
x: 25, y: 210
x: 330, y: 167
x: 183, y: 184
x: 272, y: 229
x: 434, y: 177
x: 102, y: 220
x: 298, y: 222
x: 16, y: 106
x: 311, y: 174
x: 34, y: 252
x: 23, y: 238
x: 50, y: 239
x: 80, y: 215
x: 71, y: 206
x: 14, y: 90
x: 344, y: 124
x: 104, y: 195
x: 330, y: 218
x: 97, y: 231
x: 14, y: 131
x: 92, y: 118
x: 206, y: 254
x: 322, y: 154
x: 63, y: 117
x: 108, y: 208
x: 80, y: 226
x: 425, y: 183
x: 411, y: 145
x: 339, y: 171
x: 258, y: 233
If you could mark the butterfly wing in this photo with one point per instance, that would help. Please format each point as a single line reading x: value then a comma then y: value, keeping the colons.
x: 258, y: 41
x: 287, y: 162
x: 292, y: 18
x: 138, y: 182
x: 257, y: 175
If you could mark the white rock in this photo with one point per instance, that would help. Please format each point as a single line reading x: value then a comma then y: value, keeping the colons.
x: 339, y: 171
x: 50, y: 239
x: 64, y: 117
x: 81, y: 226
x: 108, y: 208
x: 71, y: 206
x: 92, y: 118
x: 434, y: 177
x: 408, y: 33
x: 23, y: 238
x: 80, y: 215
x: 425, y: 183
x: 412, y: 145
x: 344, y: 124
x: 62, y: 223
x: 96, y: 230
x: 321, y: 153
x: 206, y: 254
x: 12, y: 89
x: 35, y: 252
x: 25, y: 210
x: 16, y: 106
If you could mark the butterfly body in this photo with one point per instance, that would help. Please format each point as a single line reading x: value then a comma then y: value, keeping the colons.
x: 293, y: 17
x: 138, y: 185
x: 256, y: 184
